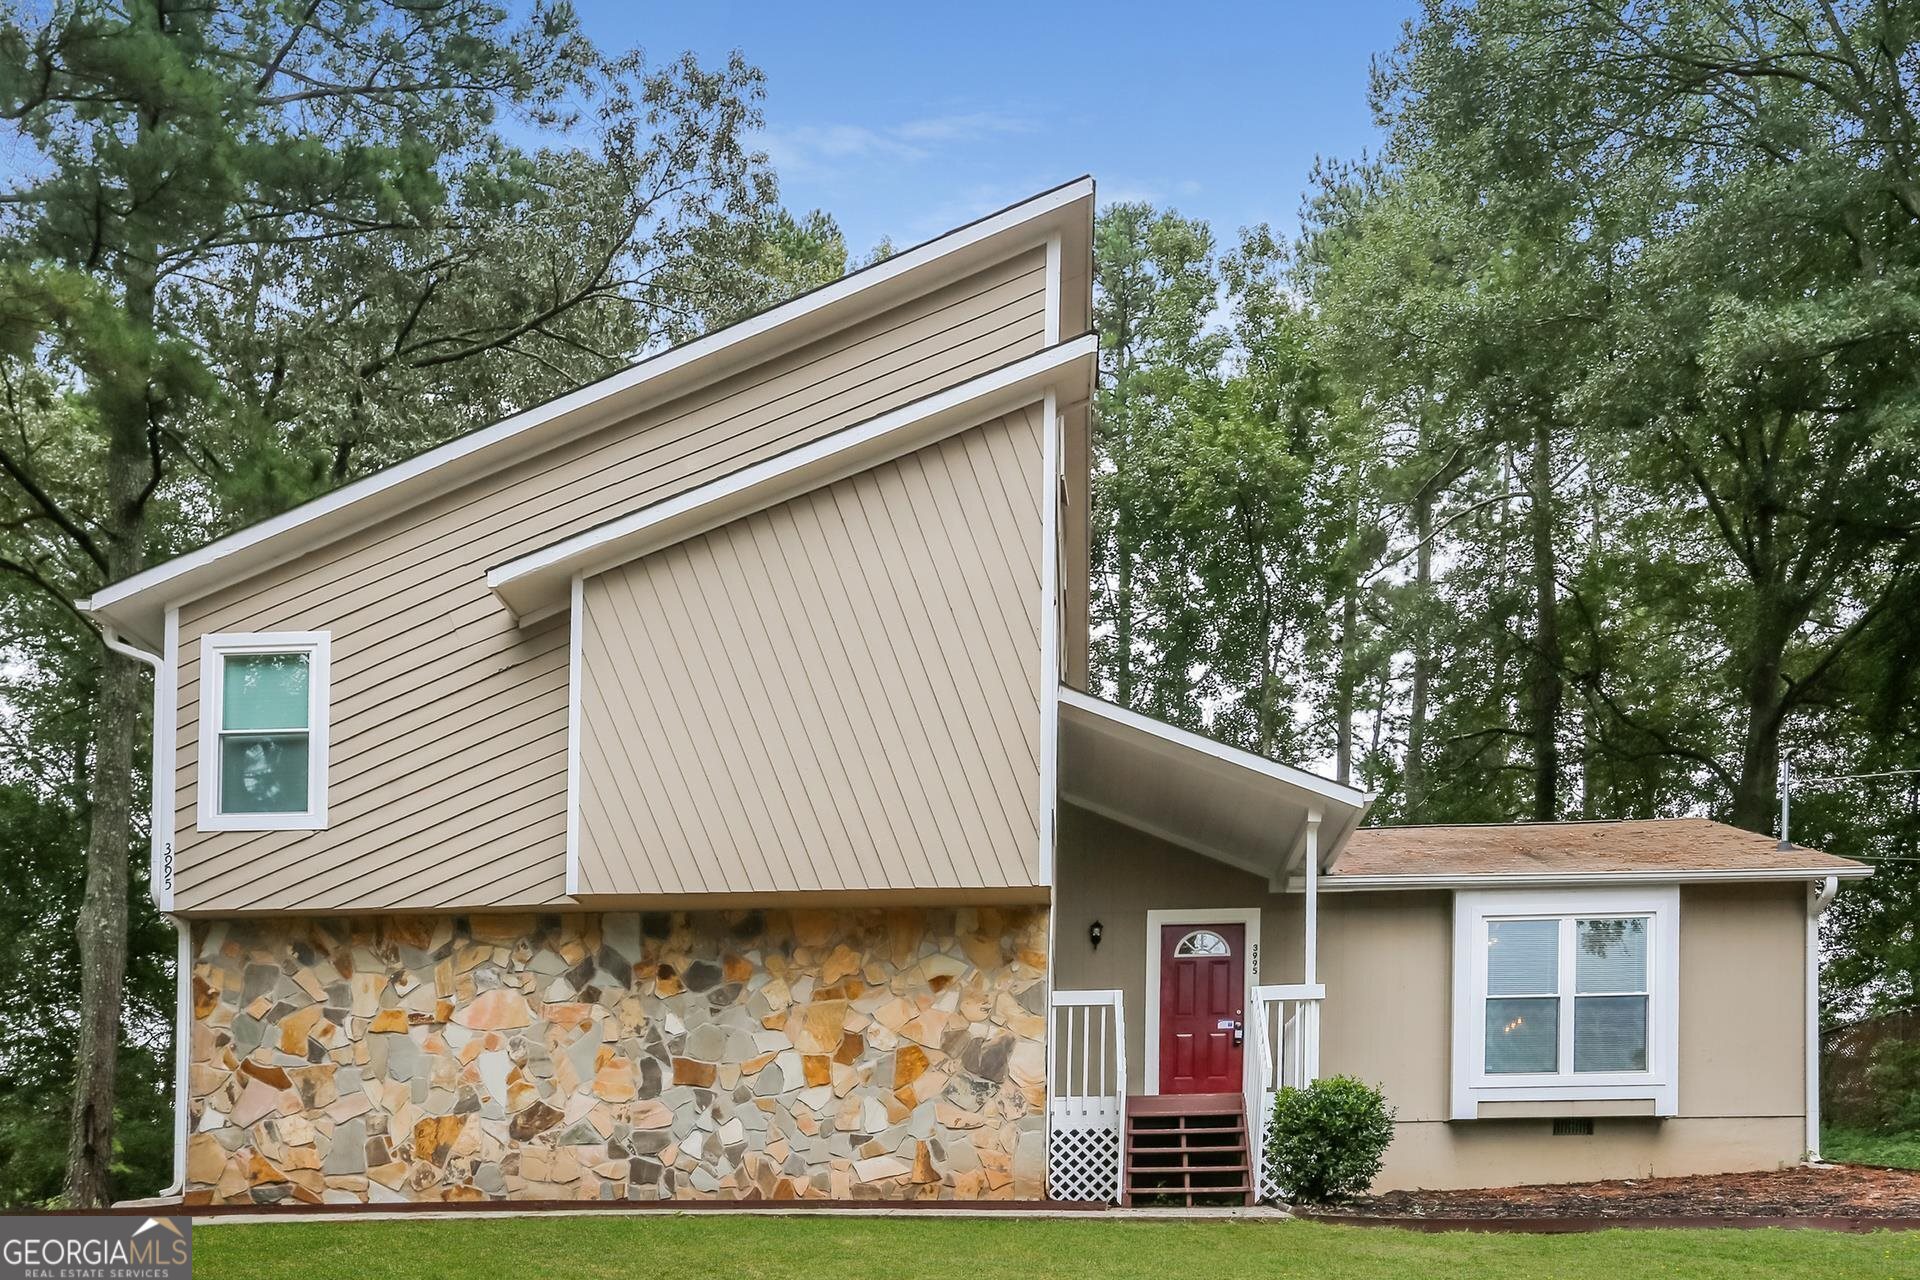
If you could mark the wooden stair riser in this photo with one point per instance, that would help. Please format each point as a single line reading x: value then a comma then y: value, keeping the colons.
x: 1192, y: 1150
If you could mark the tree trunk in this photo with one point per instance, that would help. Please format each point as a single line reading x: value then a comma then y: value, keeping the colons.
x: 1382, y: 691
x: 1756, y: 795
x: 1123, y: 555
x: 1501, y: 702
x: 102, y: 932
x: 1267, y: 712
x: 1544, y: 702
x: 1413, y: 780
x: 102, y: 925
x: 1344, y: 680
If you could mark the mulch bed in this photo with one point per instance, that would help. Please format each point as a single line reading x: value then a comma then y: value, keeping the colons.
x: 1827, y: 1195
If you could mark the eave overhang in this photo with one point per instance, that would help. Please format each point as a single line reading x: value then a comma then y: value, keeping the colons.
x: 136, y: 606
x: 537, y: 584
x: 1236, y: 807
x: 1337, y: 883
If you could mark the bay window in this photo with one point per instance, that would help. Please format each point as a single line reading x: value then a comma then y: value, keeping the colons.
x: 263, y: 731
x: 1565, y: 996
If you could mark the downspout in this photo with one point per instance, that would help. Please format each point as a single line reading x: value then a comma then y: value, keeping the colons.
x: 183, y: 962
x: 1819, y: 898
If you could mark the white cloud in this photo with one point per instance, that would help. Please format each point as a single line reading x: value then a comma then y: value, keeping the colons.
x: 825, y: 150
x: 973, y: 126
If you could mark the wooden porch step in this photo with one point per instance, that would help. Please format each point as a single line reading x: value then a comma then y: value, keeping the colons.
x: 1186, y: 1104
x: 1188, y: 1148
x: 1157, y: 1169
x: 1194, y: 1197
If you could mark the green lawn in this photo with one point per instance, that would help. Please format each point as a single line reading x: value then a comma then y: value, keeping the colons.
x: 1901, y: 1150
x: 690, y: 1246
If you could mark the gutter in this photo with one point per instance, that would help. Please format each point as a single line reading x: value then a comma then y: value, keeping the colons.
x: 1335, y: 883
x: 162, y: 898
x: 1819, y: 898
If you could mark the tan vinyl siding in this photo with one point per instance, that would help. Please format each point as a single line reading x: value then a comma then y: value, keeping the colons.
x: 1115, y: 874
x: 837, y: 693
x: 435, y: 688
x: 1386, y: 960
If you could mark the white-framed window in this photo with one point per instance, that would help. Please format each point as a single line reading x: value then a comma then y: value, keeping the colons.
x: 1569, y: 995
x: 263, y: 731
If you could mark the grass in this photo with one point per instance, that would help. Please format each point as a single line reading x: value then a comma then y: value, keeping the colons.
x: 1900, y: 1150
x: 690, y: 1246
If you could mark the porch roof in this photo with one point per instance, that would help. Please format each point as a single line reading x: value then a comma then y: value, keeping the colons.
x: 1231, y: 805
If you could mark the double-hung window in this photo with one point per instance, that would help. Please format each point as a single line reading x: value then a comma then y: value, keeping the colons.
x: 1565, y: 996
x: 263, y: 731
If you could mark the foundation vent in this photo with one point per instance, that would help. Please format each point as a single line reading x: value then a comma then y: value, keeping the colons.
x: 1573, y: 1127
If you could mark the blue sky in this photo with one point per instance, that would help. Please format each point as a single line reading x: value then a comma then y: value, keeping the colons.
x: 904, y: 121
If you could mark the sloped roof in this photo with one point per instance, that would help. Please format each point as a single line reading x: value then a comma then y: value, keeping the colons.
x: 1685, y: 848
x: 136, y: 605
x: 537, y: 582
x: 1231, y: 805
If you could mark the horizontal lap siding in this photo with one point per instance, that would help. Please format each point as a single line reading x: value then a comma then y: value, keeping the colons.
x: 448, y: 763
x: 837, y: 693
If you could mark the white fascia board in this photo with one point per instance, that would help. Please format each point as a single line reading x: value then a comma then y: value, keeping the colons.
x: 185, y: 577
x: 1569, y: 879
x: 530, y: 584
x: 1325, y: 788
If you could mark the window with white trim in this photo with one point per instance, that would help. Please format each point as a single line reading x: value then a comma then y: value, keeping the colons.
x: 1563, y: 996
x: 263, y: 731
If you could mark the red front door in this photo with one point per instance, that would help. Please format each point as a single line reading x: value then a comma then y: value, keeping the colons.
x: 1203, y: 969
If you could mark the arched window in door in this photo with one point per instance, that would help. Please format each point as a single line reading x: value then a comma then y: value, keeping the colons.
x: 1201, y: 943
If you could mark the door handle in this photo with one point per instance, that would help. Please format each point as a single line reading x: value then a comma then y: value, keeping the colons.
x: 1239, y: 1032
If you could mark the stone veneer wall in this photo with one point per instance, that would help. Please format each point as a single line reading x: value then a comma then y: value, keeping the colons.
x: 710, y: 1055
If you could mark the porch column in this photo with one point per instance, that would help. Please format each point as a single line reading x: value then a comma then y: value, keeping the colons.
x: 1310, y: 971
x: 1310, y: 1010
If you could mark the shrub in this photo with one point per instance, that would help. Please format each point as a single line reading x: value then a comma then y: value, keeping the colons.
x: 1893, y: 1075
x: 1325, y: 1141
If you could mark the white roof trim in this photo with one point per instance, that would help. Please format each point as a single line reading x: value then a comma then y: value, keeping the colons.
x: 212, y: 557
x: 525, y: 583
x: 1337, y: 883
x: 1323, y: 787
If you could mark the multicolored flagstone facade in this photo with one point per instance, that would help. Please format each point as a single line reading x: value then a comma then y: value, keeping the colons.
x: 859, y: 1054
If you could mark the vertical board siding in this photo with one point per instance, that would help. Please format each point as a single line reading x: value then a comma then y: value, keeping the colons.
x: 836, y: 693
x: 448, y: 761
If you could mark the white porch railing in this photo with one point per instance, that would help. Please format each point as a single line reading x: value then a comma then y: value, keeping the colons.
x: 1086, y: 1095
x: 1284, y: 1028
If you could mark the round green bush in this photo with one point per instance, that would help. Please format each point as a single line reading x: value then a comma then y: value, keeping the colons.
x: 1325, y: 1142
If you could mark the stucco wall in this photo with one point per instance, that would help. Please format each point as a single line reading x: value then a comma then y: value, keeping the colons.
x: 1387, y: 963
x: 717, y: 1055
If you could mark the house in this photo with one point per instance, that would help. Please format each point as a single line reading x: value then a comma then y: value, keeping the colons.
x: 689, y: 788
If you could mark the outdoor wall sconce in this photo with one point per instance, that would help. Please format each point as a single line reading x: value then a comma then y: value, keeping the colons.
x: 1093, y: 934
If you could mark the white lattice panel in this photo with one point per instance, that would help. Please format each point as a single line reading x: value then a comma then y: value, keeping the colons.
x: 1084, y: 1164
x: 1271, y: 1192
